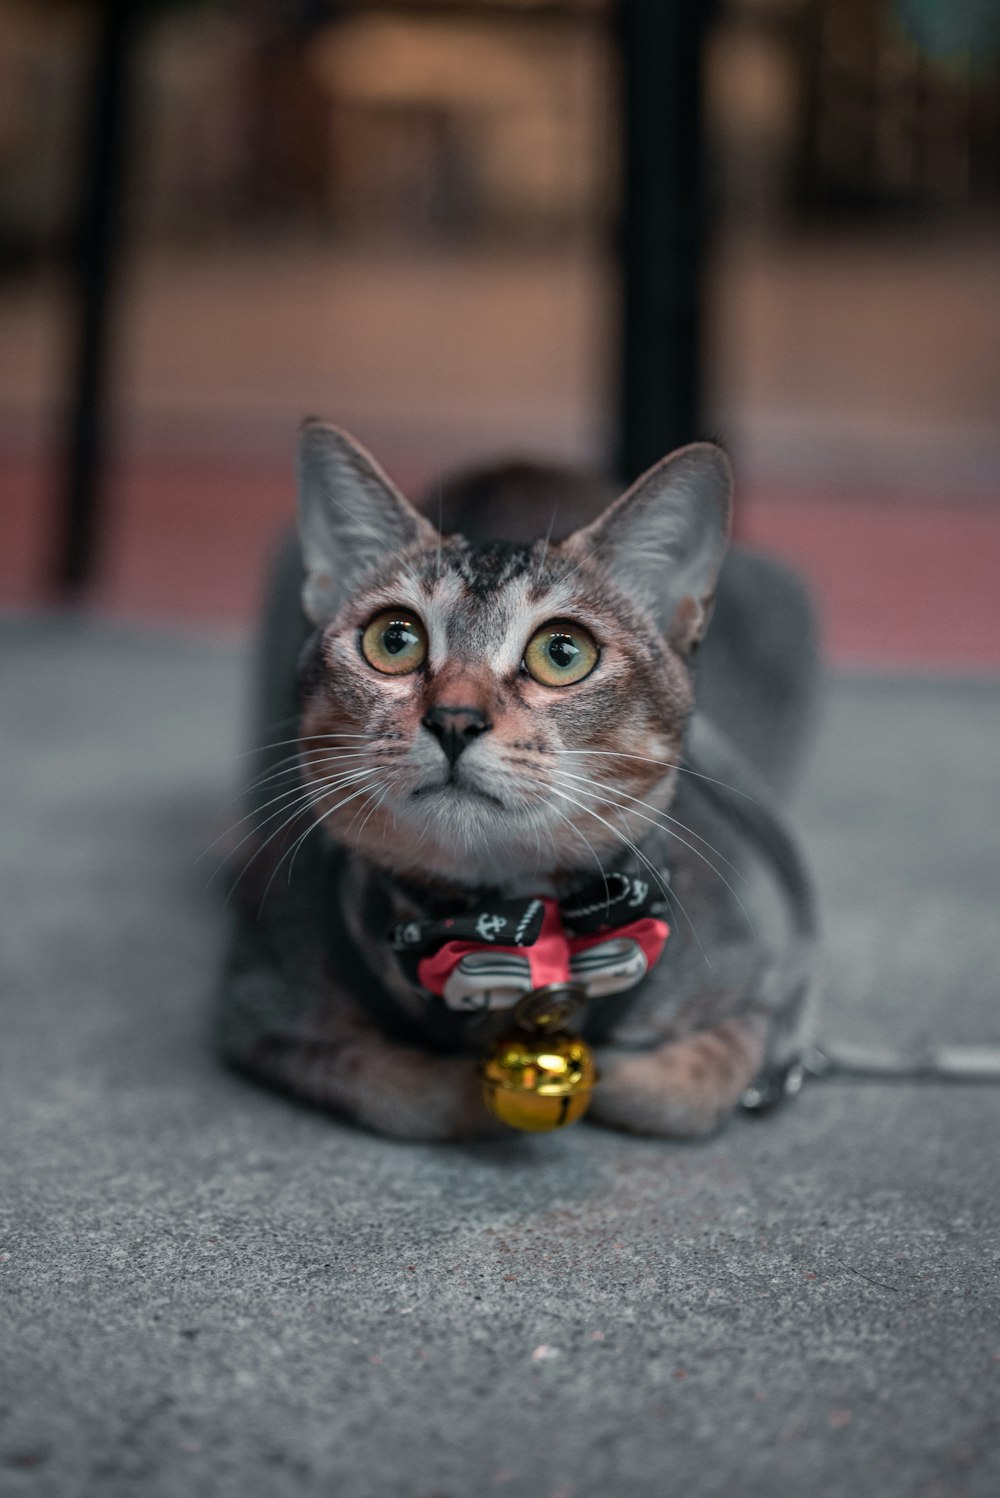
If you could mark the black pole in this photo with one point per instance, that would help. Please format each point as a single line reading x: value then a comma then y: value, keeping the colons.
x: 96, y: 258
x: 662, y: 245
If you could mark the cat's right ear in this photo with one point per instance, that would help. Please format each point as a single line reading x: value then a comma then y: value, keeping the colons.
x: 663, y: 542
x: 351, y: 517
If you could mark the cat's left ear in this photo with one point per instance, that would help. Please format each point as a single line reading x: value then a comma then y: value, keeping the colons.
x: 664, y: 540
x: 352, y: 517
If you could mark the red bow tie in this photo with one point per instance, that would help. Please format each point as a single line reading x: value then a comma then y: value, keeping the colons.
x: 489, y: 959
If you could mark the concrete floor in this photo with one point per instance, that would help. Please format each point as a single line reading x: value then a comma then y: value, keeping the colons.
x: 208, y: 1291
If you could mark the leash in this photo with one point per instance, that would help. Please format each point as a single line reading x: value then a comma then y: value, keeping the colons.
x: 856, y: 1063
x: 796, y: 1058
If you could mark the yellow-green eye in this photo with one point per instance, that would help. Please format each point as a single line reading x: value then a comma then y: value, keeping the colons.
x: 395, y: 642
x: 560, y: 653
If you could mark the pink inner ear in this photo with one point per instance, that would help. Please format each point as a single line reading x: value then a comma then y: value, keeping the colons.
x: 688, y: 624
x: 316, y: 593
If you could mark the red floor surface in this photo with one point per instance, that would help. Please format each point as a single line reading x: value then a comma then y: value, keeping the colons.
x: 899, y: 584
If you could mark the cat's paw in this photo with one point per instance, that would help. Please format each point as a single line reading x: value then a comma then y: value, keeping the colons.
x: 684, y: 1089
x: 392, y: 1089
x: 411, y: 1095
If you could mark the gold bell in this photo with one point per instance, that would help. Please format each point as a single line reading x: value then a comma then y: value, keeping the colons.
x: 539, y: 1076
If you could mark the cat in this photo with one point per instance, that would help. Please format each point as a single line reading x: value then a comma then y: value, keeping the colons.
x: 488, y: 716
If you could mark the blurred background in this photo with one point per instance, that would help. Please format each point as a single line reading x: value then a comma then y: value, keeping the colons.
x: 466, y: 228
x: 582, y: 229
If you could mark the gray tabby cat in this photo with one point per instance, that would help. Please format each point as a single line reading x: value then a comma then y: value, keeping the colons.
x: 448, y: 725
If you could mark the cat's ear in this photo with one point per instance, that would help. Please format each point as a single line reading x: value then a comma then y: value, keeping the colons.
x: 351, y: 517
x: 664, y: 540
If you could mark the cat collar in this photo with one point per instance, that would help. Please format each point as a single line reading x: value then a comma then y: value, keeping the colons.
x: 603, y: 940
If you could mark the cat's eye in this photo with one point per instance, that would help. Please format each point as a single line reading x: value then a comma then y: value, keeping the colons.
x: 560, y: 653
x: 395, y: 642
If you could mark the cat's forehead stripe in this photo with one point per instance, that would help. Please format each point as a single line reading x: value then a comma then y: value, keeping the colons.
x: 465, y: 600
x: 481, y: 604
x: 491, y: 628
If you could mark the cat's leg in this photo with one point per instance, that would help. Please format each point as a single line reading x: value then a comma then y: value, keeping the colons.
x: 681, y: 1088
x: 300, y: 1034
x: 390, y: 1088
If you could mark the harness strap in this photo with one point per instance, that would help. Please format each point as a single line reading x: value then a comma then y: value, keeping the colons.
x: 933, y: 1063
x: 795, y: 1057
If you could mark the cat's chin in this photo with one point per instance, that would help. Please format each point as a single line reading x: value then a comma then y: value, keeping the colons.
x: 449, y: 792
x: 465, y: 818
x: 458, y: 835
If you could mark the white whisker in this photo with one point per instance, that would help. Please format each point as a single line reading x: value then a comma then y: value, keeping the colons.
x: 603, y: 786
x: 312, y: 797
x: 307, y: 738
x: 313, y: 826
x: 314, y: 759
x: 298, y: 842
x: 300, y: 791
x: 580, y: 834
x: 545, y: 545
x: 667, y: 894
x: 389, y: 786
x: 665, y: 764
x: 603, y: 801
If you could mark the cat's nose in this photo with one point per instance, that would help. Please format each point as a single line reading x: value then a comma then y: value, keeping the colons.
x: 455, y: 727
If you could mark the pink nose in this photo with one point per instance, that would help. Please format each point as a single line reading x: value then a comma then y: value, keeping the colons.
x: 455, y: 728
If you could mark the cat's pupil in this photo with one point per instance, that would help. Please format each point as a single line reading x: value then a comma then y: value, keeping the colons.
x: 397, y: 637
x: 562, y: 651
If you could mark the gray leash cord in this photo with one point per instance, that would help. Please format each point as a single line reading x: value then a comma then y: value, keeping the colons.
x: 747, y: 801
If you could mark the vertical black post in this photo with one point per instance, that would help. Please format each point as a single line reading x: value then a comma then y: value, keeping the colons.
x: 661, y: 47
x: 96, y: 253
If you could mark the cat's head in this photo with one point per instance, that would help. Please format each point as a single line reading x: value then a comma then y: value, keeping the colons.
x: 500, y: 714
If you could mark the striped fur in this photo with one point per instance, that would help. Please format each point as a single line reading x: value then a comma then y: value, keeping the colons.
x: 563, y: 781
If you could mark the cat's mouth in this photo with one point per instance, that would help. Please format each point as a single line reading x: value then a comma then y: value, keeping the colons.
x: 453, y: 788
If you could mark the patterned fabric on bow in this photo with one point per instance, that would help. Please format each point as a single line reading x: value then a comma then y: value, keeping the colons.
x: 606, y: 938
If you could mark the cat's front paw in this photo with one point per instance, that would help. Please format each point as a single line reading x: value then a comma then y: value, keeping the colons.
x: 684, y: 1089
x: 392, y: 1089
x: 411, y: 1095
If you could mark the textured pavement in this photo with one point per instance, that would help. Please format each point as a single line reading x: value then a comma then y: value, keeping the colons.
x: 205, y: 1290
